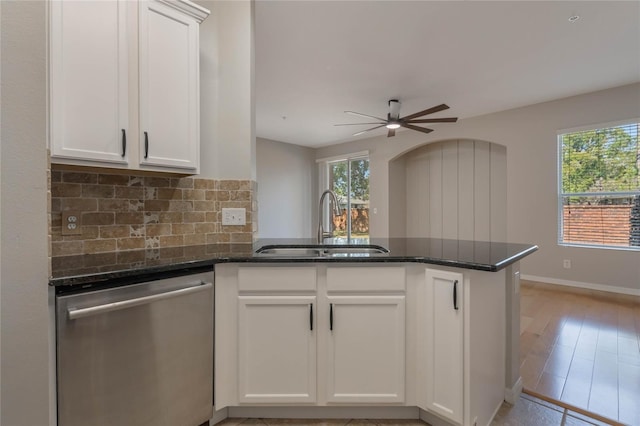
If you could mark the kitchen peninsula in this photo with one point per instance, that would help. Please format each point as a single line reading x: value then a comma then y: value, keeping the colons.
x: 428, y: 329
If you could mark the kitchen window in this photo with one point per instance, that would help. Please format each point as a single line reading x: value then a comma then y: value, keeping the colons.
x: 348, y: 178
x: 599, y: 187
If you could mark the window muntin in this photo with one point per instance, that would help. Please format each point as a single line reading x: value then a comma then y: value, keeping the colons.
x: 599, y: 187
x: 349, y: 179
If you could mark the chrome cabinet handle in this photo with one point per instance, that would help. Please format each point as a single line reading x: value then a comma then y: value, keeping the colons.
x: 124, y: 143
x: 455, y: 295
x: 130, y: 303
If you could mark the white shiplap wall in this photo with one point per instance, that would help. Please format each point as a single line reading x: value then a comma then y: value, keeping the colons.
x: 457, y: 189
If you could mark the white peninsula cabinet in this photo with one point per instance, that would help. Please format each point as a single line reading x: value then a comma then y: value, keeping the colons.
x: 461, y: 345
x: 365, y: 343
x: 415, y: 341
x: 274, y: 322
x: 444, y: 334
x: 124, y: 84
x: 276, y: 336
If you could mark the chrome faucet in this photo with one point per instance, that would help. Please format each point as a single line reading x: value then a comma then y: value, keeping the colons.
x: 336, y: 208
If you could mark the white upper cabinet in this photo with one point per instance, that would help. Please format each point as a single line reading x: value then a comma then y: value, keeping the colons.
x: 169, y: 96
x: 125, y: 84
x: 89, y: 81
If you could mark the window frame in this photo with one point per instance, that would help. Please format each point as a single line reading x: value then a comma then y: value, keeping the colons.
x: 325, y: 164
x: 561, y: 195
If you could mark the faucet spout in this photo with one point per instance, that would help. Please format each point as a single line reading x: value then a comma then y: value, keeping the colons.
x: 336, y: 210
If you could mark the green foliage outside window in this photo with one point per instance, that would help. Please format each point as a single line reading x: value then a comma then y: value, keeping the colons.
x: 353, y: 175
x: 601, y: 160
x: 359, y: 179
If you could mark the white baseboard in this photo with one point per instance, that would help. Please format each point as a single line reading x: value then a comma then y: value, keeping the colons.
x: 432, y: 419
x: 219, y: 416
x: 325, y: 412
x: 579, y: 284
x: 512, y: 395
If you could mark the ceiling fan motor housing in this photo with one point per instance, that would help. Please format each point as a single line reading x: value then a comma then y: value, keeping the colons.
x: 394, y: 110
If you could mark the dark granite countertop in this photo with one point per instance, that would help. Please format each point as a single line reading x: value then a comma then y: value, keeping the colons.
x: 92, y: 269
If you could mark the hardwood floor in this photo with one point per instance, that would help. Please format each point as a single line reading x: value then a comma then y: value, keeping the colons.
x: 582, y: 347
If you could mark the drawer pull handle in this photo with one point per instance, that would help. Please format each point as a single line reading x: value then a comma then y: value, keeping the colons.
x: 331, y: 316
x: 311, y: 317
x: 124, y: 143
x: 455, y: 295
x: 146, y: 145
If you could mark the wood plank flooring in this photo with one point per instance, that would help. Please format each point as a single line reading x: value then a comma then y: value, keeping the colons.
x: 582, y: 347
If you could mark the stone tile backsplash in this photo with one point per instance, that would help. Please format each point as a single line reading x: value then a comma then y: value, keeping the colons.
x: 126, y: 212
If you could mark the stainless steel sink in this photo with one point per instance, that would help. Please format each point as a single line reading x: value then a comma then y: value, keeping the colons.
x: 356, y: 250
x: 290, y: 251
x: 321, y: 251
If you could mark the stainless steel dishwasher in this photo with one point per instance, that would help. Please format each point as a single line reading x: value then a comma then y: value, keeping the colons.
x: 137, y: 355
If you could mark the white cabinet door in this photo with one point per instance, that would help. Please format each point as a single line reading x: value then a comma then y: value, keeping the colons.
x: 89, y: 81
x: 169, y: 95
x: 445, y: 349
x: 366, y: 349
x: 277, y: 349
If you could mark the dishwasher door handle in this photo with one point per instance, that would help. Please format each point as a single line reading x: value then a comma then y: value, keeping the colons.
x: 124, y: 304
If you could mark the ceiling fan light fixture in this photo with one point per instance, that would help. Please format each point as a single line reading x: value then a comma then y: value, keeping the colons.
x: 393, y: 126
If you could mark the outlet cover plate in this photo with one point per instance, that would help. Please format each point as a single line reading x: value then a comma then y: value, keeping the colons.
x: 71, y: 223
x: 234, y: 216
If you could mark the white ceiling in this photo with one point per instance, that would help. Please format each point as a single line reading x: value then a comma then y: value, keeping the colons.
x: 316, y: 59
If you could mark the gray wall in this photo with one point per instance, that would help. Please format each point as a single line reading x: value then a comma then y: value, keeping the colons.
x: 286, y: 190
x: 530, y: 137
x: 25, y: 364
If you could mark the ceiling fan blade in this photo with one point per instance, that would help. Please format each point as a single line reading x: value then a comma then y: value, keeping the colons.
x: 365, y: 115
x: 431, y: 110
x: 373, y: 128
x: 356, y: 124
x: 435, y: 120
x: 391, y: 133
x: 419, y: 129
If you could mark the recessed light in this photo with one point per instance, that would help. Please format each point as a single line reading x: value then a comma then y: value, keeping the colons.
x: 574, y: 18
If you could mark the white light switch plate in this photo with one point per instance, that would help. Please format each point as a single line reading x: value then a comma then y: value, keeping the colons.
x: 233, y: 216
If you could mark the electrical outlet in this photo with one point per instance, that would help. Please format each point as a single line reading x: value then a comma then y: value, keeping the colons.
x: 71, y: 223
x: 566, y: 264
x: 234, y: 216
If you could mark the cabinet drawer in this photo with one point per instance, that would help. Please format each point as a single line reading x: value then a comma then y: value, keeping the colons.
x: 359, y: 278
x: 289, y: 279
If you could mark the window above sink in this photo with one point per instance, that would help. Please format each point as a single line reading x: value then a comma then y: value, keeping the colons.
x: 348, y: 178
